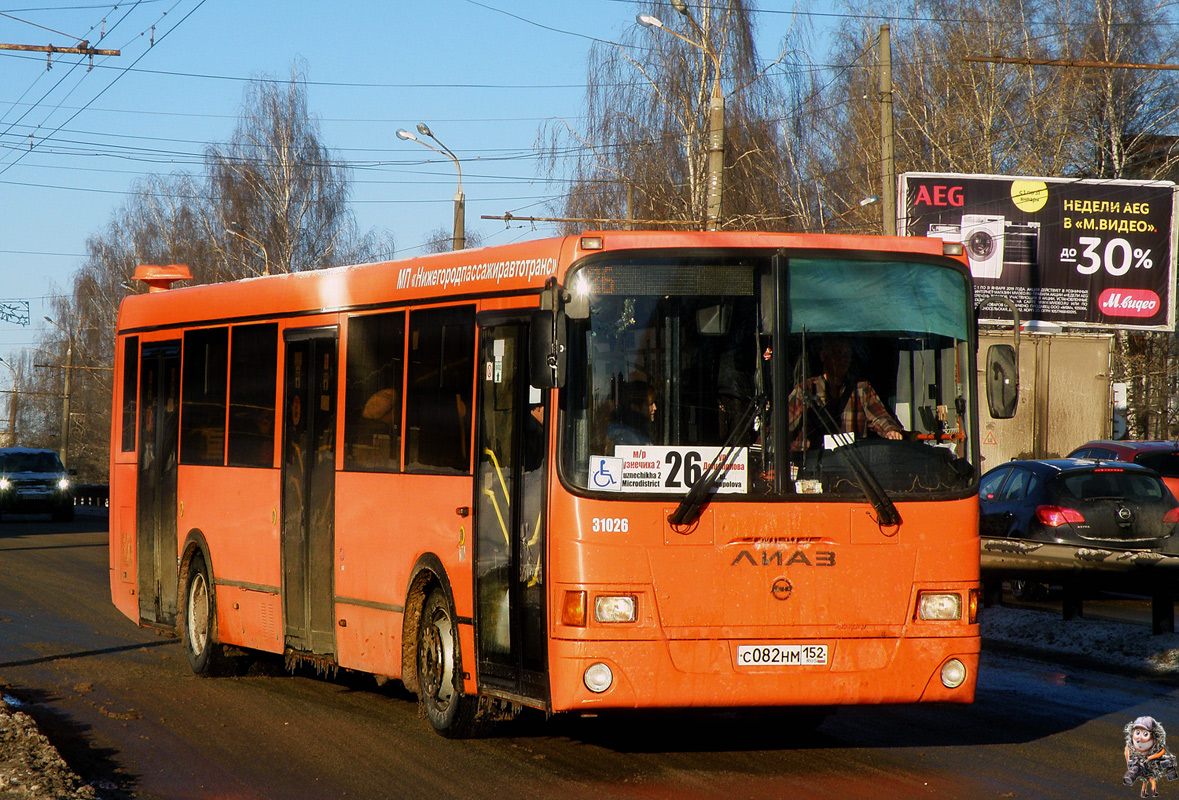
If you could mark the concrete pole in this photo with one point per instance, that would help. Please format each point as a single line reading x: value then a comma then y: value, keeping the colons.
x: 716, y: 154
x: 888, y: 175
x: 65, y: 402
x: 460, y: 215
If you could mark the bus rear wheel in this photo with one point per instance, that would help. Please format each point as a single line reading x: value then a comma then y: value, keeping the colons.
x: 440, y: 683
x: 200, y: 620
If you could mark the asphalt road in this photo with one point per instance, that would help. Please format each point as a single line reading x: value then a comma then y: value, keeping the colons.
x: 124, y: 709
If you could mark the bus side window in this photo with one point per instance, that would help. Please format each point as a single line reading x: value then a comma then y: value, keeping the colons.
x: 441, y: 373
x: 372, y: 402
x: 253, y: 365
x: 204, y: 382
x: 130, y: 384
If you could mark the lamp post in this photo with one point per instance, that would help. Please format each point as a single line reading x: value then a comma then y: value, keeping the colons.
x: 237, y: 230
x: 867, y: 201
x: 65, y: 395
x: 460, y: 201
x: 716, y: 110
x: 12, y: 403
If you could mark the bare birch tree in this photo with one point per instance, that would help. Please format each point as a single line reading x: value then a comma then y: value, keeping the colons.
x: 275, y: 178
x: 643, y: 148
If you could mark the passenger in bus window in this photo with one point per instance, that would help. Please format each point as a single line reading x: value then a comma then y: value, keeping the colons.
x: 633, y: 421
x: 852, y: 404
x: 262, y: 443
x: 382, y: 406
x: 533, y: 501
x: 735, y: 393
x: 534, y: 443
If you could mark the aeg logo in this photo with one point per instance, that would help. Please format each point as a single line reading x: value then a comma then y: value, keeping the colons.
x: 939, y: 196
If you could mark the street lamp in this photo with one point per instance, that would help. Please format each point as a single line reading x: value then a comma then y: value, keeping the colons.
x: 237, y: 230
x: 460, y: 200
x: 716, y: 109
x: 12, y: 403
x: 65, y: 395
x: 867, y: 201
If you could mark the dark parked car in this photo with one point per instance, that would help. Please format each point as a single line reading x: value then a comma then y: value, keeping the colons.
x: 33, y: 481
x: 1162, y: 457
x: 1041, y: 521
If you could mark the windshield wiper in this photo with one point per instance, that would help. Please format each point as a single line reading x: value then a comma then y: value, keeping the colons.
x: 886, y: 512
x: 690, y: 508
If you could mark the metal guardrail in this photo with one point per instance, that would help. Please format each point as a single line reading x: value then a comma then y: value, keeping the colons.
x: 93, y: 495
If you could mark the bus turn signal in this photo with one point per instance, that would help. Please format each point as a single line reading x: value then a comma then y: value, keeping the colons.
x: 573, y: 609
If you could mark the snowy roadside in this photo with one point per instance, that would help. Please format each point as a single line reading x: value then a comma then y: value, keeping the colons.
x: 30, y: 766
x: 1128, y: 648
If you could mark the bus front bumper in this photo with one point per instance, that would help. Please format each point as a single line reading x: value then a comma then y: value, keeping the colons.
x: 586, y: 676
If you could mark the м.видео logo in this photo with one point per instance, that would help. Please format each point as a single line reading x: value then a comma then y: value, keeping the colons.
x: 1129, y: 303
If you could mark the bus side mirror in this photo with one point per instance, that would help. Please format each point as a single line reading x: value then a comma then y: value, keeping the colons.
x: 1002, y: 381
x: 546, y: 349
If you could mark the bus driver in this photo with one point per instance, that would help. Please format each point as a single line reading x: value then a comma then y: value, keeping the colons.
x: 853, y: 405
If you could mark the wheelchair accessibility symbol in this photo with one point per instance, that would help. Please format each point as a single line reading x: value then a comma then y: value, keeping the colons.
x: 605, y: 473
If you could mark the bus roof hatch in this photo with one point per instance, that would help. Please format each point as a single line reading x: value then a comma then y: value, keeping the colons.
x: 159, y: 278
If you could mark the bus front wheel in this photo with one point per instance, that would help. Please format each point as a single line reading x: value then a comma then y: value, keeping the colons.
x: 200, y: 620
x: 440, y: 682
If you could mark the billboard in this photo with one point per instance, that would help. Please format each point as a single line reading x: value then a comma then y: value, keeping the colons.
x: 1081, y: 253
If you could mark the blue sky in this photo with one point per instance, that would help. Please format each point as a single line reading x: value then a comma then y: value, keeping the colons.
x: 484, y: 74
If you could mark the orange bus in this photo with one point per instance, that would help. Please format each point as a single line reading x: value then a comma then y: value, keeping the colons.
x: 577, y: 474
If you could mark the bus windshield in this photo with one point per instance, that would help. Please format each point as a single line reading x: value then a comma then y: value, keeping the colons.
x: 810, y: 370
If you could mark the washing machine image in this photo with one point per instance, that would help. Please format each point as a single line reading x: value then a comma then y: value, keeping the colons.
x: 982, y: 238
x: 947, y: 233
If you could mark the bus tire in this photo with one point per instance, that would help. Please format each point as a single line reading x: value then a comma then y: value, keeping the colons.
x: 205, y: 655
x: 440, y: 683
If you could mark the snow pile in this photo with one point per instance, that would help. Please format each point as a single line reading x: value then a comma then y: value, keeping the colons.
x: 1123, y: 646
x: 30, y: 767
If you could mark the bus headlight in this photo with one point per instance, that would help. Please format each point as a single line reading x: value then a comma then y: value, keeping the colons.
x: 614, y: 608
x: 953, y: 674
x: 939, y: 606
x: 598, y: 678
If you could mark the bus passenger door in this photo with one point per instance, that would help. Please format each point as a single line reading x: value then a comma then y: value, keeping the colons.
x: 155, y: 523
x: 309, y: 480
x: 510, y: 561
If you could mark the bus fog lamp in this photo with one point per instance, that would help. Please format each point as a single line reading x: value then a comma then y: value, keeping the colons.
x: 614, y: 608
x: 953, y: 674
x: 939, y: 606
x: 598, y: 678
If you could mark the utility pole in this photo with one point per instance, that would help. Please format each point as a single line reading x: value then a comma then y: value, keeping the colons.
x: 65, y: 403
x: 716, y: 153
x: 65, y: 395
x: 13, y: 403
x: 888, y: 173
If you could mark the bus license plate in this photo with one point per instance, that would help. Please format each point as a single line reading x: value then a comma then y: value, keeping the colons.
x: 781, y: 655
